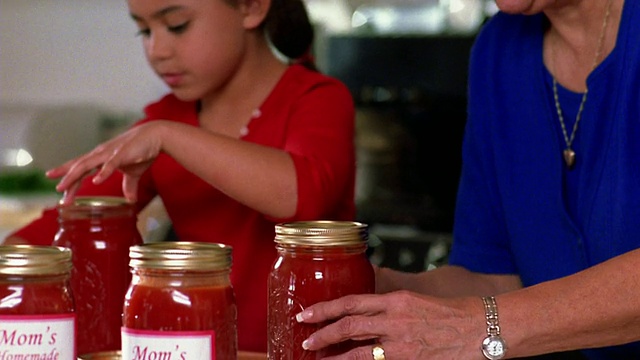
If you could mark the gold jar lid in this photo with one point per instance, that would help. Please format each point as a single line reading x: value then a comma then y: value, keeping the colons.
x: 104, y: 355
x: 177, y: 255
x: 96, y: 207
x: 34, y: 260
x: 99, y: 201
x: 322, y: 233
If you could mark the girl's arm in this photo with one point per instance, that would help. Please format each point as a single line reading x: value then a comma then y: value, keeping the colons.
x: 260, y: 177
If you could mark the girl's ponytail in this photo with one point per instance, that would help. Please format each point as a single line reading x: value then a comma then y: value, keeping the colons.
x: 290, y: 31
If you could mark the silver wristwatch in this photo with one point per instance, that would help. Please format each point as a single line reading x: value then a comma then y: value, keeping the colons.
x: 493, y: 346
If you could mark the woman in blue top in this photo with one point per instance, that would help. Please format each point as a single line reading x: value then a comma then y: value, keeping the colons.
x: 547, y: 224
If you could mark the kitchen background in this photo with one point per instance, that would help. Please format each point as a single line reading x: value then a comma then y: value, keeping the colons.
x: 73, y: 74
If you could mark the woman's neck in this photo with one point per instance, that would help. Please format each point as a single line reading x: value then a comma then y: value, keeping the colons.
x: 578, y: 34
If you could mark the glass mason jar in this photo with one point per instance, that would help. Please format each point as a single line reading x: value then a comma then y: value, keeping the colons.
x: 36, y: 302
x: 180, y: 303
x: 317, y: 261
x: 99, y: 231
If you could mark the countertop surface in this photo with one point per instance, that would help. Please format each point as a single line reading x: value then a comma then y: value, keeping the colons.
x: 18, y: 210
x: 244, y: 355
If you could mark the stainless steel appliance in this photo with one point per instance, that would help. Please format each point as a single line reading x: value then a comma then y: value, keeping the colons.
x: 410, y: 93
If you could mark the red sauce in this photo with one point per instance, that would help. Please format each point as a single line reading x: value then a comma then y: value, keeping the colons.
x: 100, y: 241
x: 35, y: 297
x: 301, y: 279
x: 201, y: 308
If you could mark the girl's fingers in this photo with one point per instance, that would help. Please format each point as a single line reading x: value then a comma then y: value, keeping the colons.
x: 73, y: 178
x: 70, y: 194
x: 61, y: 170
x: 105, y: 171
x: 56, y: 172
x: 130, y: 187
x: 75, y: 170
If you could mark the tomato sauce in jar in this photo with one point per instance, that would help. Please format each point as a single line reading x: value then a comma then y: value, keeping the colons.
x: 180, y: 302
x: 36, y: 303
x: 317, y: 261
x: 99, y: 231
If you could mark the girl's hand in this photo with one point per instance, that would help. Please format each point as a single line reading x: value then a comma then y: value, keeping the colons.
x: 131, y: 152
x: 406, y: 324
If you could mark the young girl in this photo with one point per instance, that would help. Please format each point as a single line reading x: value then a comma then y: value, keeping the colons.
x: 243, y: 141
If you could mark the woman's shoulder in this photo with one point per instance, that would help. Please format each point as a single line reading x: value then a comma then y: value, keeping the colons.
x: 508, y: 45
x: 628, y: 34
x: 510, y: 32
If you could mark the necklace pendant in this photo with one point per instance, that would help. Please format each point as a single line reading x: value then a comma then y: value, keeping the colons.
x: 569, y: 157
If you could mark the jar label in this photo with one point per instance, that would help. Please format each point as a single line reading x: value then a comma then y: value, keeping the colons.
x: 170, y: 345
x: 49, y: 337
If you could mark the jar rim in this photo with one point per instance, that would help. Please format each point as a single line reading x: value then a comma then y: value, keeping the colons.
x: 34, y: 260
x: 96, y: 207
x: 96, y: 201
x: 181, y: 255
x: 322, y: 233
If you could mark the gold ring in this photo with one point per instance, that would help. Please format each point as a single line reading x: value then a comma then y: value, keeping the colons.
x: 378, y: 352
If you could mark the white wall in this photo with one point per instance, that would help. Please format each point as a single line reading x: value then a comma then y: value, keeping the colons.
x: 73, y: 51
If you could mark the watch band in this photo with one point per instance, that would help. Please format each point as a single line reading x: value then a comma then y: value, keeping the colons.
x: 493, y: 346
x: 491, y: 313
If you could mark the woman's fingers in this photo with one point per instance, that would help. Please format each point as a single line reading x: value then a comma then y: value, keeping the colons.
x: 360, y: 317
x: 367, y: 352
x: 408, y: 325
x: 354, y: 327
x: 348, y: 305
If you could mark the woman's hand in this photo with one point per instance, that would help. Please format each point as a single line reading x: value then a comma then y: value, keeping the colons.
x: 406, y: 324
x: 131, y: 152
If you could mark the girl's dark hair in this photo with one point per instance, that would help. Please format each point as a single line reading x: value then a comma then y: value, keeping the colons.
x: 289, y: 29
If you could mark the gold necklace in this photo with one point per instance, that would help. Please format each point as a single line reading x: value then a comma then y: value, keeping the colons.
x: 569, y: 154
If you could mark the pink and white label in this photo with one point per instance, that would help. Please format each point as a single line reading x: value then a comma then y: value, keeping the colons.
x: 168, y: 345
x: 48, y: 337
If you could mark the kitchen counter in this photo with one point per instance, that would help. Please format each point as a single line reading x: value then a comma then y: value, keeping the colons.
x: 244, y: 355
x: 19, y: 210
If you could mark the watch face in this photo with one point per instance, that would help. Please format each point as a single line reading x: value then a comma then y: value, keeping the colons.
x: 493, y: 347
